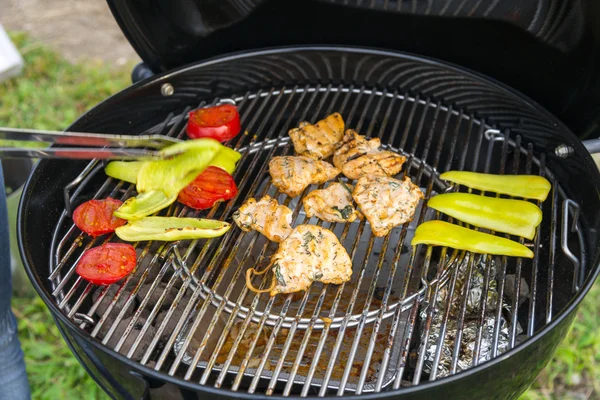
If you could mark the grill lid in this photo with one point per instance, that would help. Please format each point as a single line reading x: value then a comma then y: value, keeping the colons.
x: 167, y: 35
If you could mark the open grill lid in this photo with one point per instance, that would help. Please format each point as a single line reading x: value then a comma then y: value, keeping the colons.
x: 546, y: 49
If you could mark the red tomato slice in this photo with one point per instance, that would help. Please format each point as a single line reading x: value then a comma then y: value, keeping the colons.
x: 107, y: 264
x: 220, y: 122
x: 95, y: 217
x: 212, y: 185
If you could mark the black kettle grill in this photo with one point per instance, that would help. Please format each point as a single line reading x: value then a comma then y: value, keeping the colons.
x: 494, y: 86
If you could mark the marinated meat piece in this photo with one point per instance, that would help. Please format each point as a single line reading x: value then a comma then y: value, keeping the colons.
x: 386, y: 202
x: 310, y: 253
x: 357, y: 157
x: 266, y: 216
x: 292, y: 174
x: 377, y: 163
x: 318, y: 141
x: 353, y: 146
x: 333, y: 204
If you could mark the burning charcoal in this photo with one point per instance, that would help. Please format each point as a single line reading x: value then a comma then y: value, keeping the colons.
x: 158, y: 291
x: 509, y: 289
x: 108, y: 298
x: 133, y: 334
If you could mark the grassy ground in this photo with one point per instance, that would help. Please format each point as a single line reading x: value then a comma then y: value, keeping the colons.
x: 52, y: 93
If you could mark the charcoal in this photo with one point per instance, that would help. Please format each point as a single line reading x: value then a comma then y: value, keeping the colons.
x: 150, y: 277
x: 133, y: 334
x: 174, y: 319
x: 168, y: 300
x: 108, y: 298
x: 509, y: 289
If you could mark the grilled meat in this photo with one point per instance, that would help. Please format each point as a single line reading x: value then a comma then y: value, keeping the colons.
x: 333, y: 204
x: 266, y: 216
x: 352, y: 147
x: 356, y: 156
x: 386, y: 202
x: 310, y: 253
x: 292, y: 174
x: 318, y: 141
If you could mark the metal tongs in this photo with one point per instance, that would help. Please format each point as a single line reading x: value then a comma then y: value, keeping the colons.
x: 87, y: 145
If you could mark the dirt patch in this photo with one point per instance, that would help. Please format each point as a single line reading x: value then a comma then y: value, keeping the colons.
x: 78, y: 29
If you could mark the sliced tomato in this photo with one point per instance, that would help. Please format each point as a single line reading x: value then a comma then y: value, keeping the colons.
x: 107, y: 264
x: 219, y: 122
x: 95, y: 217
x: 212, y: 185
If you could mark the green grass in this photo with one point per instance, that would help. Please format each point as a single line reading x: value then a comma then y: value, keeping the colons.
x: 50, y: 95
x: 575, y: 370
x: 53, y: 372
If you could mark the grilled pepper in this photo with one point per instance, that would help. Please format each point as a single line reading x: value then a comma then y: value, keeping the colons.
x: 128, y: 170
x: 159, y: 182
x: 516, y: 217
x: 526, y: 186
x: 124, y: 170
x: 171, y: 228
x: 440, y: 233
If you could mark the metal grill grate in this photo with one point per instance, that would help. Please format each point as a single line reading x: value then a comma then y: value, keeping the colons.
x: 408, y: 315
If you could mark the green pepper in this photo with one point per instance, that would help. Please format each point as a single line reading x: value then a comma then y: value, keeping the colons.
x: 440, y: 233
x: 526, y: 186
x: 159, y: 182
x: 128, y: 170
x: 170, y: 229
x: 124, y: 170
x: 516, y: 217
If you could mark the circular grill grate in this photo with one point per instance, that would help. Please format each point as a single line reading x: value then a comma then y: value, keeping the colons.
x: 185, y: 310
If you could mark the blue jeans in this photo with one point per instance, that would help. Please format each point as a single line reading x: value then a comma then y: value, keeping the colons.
x: 13, y: 379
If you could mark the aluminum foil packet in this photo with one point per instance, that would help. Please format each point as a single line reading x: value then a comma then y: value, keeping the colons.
x: 481, y: 267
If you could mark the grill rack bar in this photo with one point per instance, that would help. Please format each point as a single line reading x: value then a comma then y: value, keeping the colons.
x: 399, y: 337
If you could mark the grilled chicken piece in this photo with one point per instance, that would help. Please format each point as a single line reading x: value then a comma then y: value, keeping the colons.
x: 266, y: 216
x: 318, y: 141
x: 353, y: 146
x: 310, y: 253
x: 293, y: 174
x: 357, y: 156
x: 333, y: 204
x: 386, y: 202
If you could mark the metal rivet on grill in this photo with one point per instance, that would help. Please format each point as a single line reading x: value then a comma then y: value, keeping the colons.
x: 167, y: 89
x: 563, y: 151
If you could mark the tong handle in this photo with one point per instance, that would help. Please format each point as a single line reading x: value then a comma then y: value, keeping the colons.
x: 87, y: 139
x: 83, y: 153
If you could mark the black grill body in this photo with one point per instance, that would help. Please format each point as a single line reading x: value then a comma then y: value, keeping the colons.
x: 143, y: 106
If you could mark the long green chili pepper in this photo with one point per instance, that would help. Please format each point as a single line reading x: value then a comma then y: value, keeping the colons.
x: 516, y: 217
x: 526, y: 186
x: 441, y: 233
x: 128, y: 170
x: 159, y: 182
x: 171, y: 229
